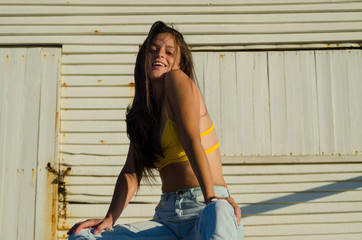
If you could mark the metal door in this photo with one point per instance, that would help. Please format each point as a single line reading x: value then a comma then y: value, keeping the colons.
x: 28, y: 125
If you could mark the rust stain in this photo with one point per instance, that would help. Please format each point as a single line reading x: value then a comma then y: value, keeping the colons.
x: 7, y: 58
x: 131, y: 84
x: 222, y: 56
x: 54, y: 210
x: 291, y: 154
x: 349, y: 52
x: 57, y: 116
x: 100, y: 80
x: 32, y: 175
x: 102, y: 142
x: 17, y: 171
x: 45, y: 56
x: 22, y: 56
x: 64, y: 84
x: 356, y: 152
x: 97, y: 32
x: 322, y: 153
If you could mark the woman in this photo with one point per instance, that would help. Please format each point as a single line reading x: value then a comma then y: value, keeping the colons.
x: 170, y: 129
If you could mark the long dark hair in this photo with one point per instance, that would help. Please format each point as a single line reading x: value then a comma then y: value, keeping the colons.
x: 143, y: 115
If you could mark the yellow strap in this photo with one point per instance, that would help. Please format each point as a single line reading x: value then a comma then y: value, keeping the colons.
x: 213, y: 148
x: 208, y: 130
x: 166, y: 112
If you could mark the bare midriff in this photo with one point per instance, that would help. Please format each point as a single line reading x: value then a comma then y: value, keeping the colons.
x: 180, y: 175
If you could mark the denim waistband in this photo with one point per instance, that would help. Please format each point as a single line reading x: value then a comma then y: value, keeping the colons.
x: 220, y: 191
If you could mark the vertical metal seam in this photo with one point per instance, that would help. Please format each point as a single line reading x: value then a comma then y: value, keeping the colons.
x: 37, y: 146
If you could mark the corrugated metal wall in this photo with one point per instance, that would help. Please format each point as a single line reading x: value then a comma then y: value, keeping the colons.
x: 100, y: 40
x: 274, y: 103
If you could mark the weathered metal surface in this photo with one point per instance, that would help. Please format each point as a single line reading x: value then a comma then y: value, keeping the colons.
x: 27, y: 130
x: 284, y: 102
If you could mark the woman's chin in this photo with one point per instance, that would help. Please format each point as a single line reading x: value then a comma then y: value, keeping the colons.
x: 157, y: 76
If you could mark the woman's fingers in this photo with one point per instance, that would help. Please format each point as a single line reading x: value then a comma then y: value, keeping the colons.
x: 237, y: 210
x: 86, y: 224
x: 103, y: 225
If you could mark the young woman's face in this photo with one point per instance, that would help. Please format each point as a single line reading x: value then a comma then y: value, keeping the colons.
x: 163, y: 56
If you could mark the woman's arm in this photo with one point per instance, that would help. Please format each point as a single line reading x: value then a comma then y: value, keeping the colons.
x: 183, y: 96
x: 125, y: 188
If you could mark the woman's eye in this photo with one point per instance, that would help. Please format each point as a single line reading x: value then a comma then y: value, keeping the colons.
x: 170, y: 53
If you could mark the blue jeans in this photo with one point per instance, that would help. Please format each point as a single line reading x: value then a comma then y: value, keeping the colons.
x: 179, y: 215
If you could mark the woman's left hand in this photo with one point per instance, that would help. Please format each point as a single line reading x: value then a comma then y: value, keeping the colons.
x: 232, y: 202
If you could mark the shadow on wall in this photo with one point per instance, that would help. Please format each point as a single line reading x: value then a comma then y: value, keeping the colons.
x: 304, y: 196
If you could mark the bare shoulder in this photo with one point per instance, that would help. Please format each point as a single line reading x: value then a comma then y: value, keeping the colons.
x: 176, y: 81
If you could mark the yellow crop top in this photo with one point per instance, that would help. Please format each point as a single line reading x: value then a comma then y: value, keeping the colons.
x: 172, y: 146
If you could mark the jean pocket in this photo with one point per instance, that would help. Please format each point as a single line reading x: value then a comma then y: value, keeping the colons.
x: 199, y: 200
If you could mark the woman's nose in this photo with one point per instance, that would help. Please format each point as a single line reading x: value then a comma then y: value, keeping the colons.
x: 160, y: 53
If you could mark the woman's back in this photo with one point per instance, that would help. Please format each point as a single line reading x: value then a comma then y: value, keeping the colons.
x: 178, y: 175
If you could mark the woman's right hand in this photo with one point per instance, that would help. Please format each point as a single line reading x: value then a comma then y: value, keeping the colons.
x: 98, y: 224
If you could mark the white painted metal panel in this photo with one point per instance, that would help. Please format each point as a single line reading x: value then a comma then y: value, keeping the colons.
x: 284, y: 103
x: 29, y: 83
x: 293, y: 201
